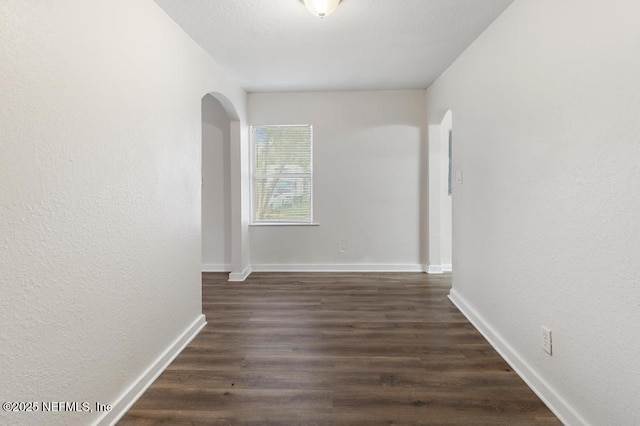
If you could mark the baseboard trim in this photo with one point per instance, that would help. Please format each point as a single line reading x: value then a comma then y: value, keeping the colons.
x: 338, y: 268
x: 439, y: 269
x: 435, y: 269
x: 240, y: 276
x: 216, y: 267
x: 558, y: 405
x: 146, y: 379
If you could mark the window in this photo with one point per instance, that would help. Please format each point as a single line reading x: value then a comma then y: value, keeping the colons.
x: 281, y: 174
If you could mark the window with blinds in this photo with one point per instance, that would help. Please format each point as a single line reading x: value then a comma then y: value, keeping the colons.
x: 282, y: 173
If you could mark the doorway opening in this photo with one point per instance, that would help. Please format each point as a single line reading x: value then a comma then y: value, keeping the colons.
x: 441, y: 140
x: 216, y: 186
x: 225, y: 217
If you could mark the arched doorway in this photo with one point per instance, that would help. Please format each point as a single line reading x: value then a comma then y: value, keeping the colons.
x: 216, y: 187
x: 225, y: 236
x: 440, y: 196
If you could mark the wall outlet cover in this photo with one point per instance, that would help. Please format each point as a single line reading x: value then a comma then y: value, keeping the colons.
x: 546, y: 340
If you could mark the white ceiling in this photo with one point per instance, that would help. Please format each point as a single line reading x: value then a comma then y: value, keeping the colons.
x: 277, y: 45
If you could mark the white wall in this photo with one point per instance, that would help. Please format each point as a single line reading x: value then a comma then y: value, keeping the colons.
x: 368, y: 149
x: 216, y: 187
x: 546, y: 105
x: 100, y: 198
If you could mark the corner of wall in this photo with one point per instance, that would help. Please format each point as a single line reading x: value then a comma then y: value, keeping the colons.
x: 146, y: 379
x: 558, y: 405
x: 240, y: 276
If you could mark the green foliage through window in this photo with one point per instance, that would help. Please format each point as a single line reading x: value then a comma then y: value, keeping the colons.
x: 281, y: 174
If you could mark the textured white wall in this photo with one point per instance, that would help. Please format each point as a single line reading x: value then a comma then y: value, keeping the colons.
x: 546, y: 231
x: 216, y: 187
x: 100, y: 196
x: 368, y: 149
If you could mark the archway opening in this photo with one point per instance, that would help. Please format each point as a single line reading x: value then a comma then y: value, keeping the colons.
x: 216, y: 186
x: 228, y: 164
x: 440, y: 196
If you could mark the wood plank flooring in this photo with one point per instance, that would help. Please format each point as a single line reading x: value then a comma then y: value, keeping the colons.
x: 337, y: 349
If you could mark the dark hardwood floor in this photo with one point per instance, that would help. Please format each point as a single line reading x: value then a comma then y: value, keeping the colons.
x: 337, y: 349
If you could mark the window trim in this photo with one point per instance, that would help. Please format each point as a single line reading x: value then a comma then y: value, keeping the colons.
x: 252, y: 221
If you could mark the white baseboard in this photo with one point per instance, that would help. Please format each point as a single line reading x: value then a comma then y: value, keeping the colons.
x: 135, y: 391
x: 439, y: 269
x: 216, y: 267
x: 240, y: 276
x: 560, y: 407
x: 435, y: 269
x: 338, y: 268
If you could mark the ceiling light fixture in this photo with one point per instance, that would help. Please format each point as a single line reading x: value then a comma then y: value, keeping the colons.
x: 321, y: 8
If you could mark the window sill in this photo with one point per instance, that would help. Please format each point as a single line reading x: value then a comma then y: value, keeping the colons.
x: 283, y: 224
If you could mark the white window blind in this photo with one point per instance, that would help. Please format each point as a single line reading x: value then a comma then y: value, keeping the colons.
x: 282, y: 173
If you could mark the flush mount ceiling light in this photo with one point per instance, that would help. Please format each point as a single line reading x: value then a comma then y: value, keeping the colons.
x: 321, y: 8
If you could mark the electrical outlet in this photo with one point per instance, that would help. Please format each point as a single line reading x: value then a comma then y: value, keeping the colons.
x: 546, y: 340
x: 459, y: 177
x: 343, y: 246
